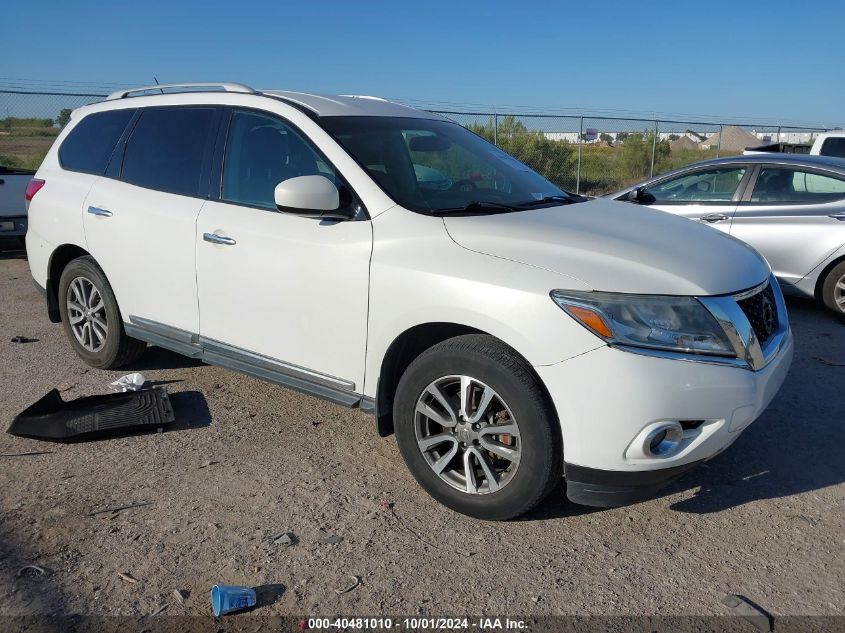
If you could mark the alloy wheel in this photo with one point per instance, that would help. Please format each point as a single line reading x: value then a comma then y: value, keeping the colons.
x: 467, y: 434
x: 86, y: 312
x: 839, y: 293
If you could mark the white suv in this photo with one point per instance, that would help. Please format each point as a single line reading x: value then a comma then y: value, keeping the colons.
x: 386, y: 258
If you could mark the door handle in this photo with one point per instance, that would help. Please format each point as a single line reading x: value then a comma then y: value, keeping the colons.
x: 712, y: 218
x: 218, y: 239
x: 103, y: 213
x: 838, y: 216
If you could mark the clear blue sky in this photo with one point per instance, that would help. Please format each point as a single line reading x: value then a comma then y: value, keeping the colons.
x: 770, y: 60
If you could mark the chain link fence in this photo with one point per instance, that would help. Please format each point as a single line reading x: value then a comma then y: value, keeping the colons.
x: 586, y: 154
x: 596, y: 155
x: 30, y: 122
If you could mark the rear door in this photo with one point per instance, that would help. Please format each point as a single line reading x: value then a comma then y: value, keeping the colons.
x: 795, y: 217
x: 140, y: 219
x: 708, y: 194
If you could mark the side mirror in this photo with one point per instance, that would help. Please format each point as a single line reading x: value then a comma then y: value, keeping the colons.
x: 640, y: 196
x: 312, y: 197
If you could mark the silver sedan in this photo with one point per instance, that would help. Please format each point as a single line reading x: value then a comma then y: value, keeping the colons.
x: 790, y: 207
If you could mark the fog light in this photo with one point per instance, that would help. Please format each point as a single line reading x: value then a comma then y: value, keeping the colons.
x: 664, y: 440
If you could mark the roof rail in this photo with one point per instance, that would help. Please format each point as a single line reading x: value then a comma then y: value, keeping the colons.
x: 220, y: 86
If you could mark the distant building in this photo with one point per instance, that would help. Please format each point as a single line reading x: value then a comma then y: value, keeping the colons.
x: 572, y: 137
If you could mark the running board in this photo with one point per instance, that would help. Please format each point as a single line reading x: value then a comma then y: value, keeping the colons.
x: 213, y: 352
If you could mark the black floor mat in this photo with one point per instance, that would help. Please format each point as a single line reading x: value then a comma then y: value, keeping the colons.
x: 51, y: 418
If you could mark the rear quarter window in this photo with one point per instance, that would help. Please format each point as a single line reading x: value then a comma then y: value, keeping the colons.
x: 89, y: 145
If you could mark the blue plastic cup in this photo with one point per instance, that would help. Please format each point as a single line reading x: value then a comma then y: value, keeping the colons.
x: 228, y: 598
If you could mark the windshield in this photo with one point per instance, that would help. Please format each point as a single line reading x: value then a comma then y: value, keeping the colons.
x: 437, y: 166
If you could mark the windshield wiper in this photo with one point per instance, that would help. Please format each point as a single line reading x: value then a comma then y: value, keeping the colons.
x: 478, y: 207
x: 570, y: 199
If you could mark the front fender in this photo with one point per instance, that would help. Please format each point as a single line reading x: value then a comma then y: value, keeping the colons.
x: 419, y: 275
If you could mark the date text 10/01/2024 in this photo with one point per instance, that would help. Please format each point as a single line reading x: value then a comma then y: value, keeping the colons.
x: 416, y: 623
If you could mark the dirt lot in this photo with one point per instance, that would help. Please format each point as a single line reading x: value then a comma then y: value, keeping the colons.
x: 247, y: 459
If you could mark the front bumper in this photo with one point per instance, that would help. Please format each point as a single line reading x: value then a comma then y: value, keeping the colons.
x: 607, y: 398
x: 609, y: 488
x: 13, y: 226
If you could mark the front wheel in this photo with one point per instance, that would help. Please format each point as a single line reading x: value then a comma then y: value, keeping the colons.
x: 833, y: 289
x: 476, y: 430
x: 91, y: 318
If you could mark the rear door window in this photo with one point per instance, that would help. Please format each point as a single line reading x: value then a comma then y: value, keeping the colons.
x: 167, y: 149
x: 795, y: 186
x: 89, y: 145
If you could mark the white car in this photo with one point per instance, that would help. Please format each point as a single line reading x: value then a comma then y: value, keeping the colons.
x: 508, y: 332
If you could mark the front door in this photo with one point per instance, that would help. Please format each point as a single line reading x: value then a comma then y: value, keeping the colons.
x: 707, y: 194
x: 276, y: 290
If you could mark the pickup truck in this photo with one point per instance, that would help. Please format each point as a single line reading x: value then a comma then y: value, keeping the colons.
x: 829, y: 144
x: 13, y: 183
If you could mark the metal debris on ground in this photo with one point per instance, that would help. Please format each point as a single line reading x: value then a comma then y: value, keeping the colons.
x: 23, y: 339
x: 127, y: 577
x: 208, y: 463
x: 333, y: 539
x: 283, y: 538
x: 26, y: 454
x: 830, y: 363
x: 181, y: 595
x: 116, y: 509
x: 355, y: 582
x: 129, y: 382
x: 25, y: 571
x: 750, y: 612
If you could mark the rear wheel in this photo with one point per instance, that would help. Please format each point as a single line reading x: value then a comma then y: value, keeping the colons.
x: 833, y: 289
x: 475, y: 429
x: 91, y: 318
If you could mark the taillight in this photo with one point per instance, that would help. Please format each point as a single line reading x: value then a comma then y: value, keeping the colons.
x: 32, y: 188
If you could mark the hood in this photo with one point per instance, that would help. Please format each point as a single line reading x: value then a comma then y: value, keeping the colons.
x: 617, y: 247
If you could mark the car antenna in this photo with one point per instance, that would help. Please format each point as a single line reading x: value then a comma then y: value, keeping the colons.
x: 160, y: 90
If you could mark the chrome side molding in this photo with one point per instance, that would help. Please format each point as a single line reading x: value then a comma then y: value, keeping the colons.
x: 337, y: 390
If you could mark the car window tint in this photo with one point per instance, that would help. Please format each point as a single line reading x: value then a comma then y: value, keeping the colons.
x: 706, y: 185
x: 261, y: 152
x: 777, y: 184
x: 834, y: 146
x: 166, y: 149
x: 90, y: 144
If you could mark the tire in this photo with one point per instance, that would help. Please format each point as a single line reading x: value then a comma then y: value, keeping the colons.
x: 519, y: 483
x: 113, y: 350
x: 833, y: 289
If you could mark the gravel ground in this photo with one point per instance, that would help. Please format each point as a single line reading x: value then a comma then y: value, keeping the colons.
x: 247, y: 459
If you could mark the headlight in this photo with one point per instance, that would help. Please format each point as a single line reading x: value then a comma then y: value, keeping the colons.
x: 676, y: 324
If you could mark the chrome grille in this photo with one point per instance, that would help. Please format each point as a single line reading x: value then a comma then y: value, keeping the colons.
x: 761, y: 310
